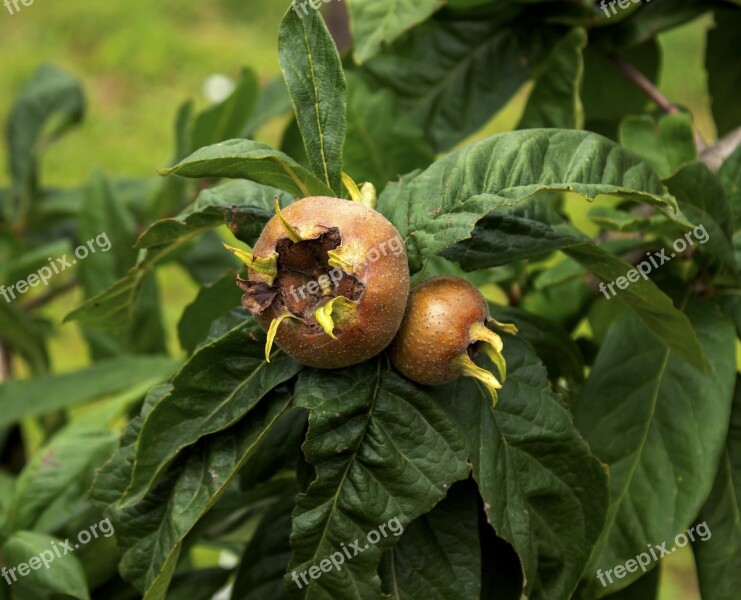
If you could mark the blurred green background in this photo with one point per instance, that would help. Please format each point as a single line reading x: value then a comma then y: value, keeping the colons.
x: 139, y: 60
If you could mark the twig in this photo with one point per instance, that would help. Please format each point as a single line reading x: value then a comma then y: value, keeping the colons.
x: 52, y: 294
x: 644, y: 84
x: 714, y: 156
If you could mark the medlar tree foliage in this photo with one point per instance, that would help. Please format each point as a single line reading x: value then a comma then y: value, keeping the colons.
x: 618, y: 426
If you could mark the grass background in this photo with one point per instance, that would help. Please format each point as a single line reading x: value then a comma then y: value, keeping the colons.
x: 139, y: 60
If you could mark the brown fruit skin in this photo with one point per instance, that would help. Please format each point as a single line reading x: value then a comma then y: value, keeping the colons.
x: 435, y: 329
x: 382, y: 304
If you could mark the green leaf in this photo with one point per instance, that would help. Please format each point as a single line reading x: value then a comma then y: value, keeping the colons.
x: 246, y: 159
x: 438, y: 555
x: 316, y: 83
x: 50, y: 102
x: 243, y: 204
x: 48, y: 394
x: 377, y: 23
x: 104, y: 217
x: 66, y: 463
x: 273, y: 101
x: 652, y: 306
x: 724, y: 76
x: 212, y: 302
x: 553, y: 345
x: 453, y: 76
x: 24, y: 336
x: 729, y: 176
x: 440, y: 206
x: 114, y: 310
x: 666, y: 146
x: 152, y: 532
x: 64, y: 575
x: 718, y: 556
x: 543, y: 491
x: 265, y: 559
x: 382, y: 142
x: 382, y: 449
x: 220, y: 384
x: 227, y: 119
x: 654, y: 420
x: 701, y: 198
x: 201, y: 584
x: 555, y: 100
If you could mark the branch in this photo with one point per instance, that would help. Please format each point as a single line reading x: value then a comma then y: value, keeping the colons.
x: 714, y: 156
x: 644, y: 84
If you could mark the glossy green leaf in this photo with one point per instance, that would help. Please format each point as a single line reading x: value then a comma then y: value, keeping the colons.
x: 543, y: 491
x: 718, y: 555
x: 382, y: 142
x: 654, y: 420
x: 555, y: 100
x: 438, y: 554
x: 247, y: 159
x: 64, y: 575
x: 375, y: 24
x: 382, y: 449
x: 440, y: 206
x: 453, y: 76
x: 48, y: 394
x: 316, y: 83
x: 219, y: 385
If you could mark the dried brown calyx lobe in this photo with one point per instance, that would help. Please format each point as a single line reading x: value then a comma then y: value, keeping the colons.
x: 330, y: 281
x: 305, y: 281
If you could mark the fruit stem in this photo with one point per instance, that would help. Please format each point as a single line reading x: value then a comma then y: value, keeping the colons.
x: 291, y: 231
x: 468, y: 368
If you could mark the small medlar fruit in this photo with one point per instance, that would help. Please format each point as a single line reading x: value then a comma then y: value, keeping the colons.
x: 443, y: 329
